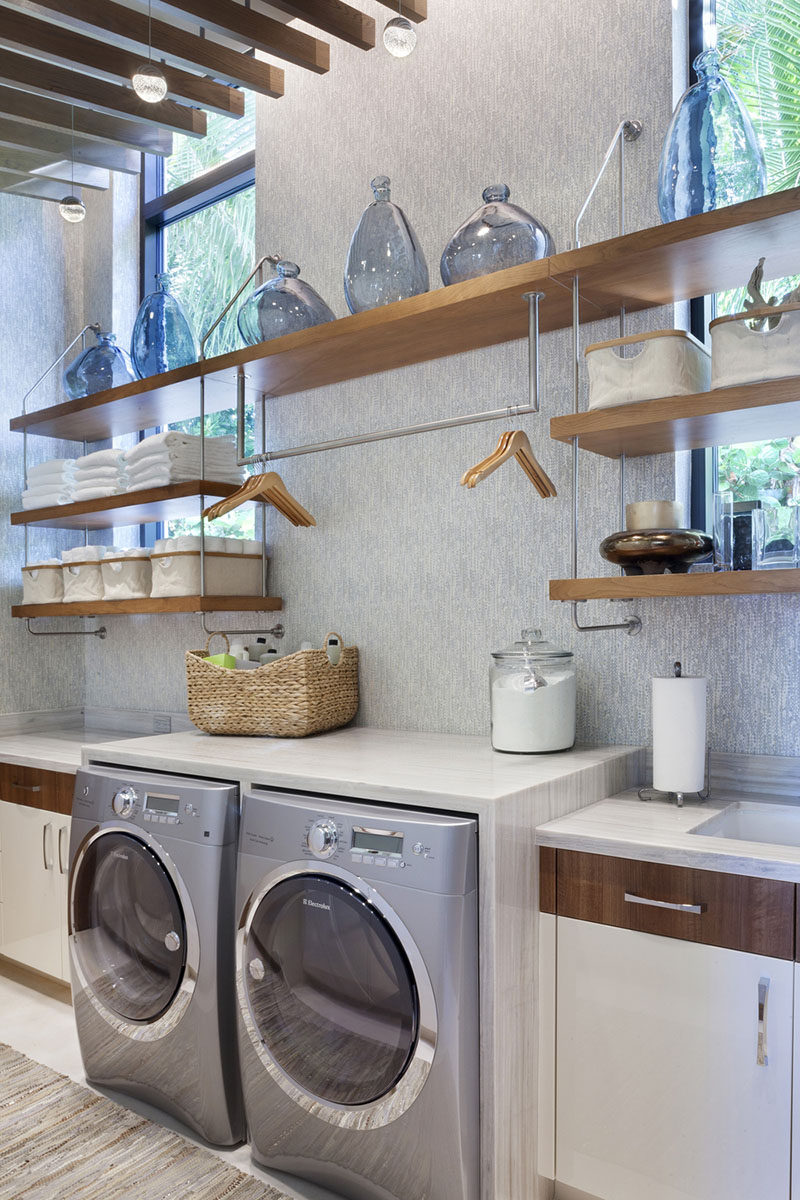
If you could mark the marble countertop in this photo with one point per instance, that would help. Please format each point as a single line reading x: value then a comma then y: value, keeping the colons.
x: 453, y: 771
x: 658, y: 831
x: 51, y: 749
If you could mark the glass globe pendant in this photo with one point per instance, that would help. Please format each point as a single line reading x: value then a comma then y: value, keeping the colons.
x: 148, y: 79
x: 399, y: 35
x: 149, y: 83
x: 72, y: 209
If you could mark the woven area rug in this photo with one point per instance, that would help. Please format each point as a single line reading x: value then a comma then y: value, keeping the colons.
x: 60, y: 1141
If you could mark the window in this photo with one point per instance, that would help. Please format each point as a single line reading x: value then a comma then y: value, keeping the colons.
x: 760, y: 44
x: 199, y: 226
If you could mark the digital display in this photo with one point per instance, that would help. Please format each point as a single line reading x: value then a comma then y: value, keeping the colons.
x: 377, y: 842
x: 160, y: 802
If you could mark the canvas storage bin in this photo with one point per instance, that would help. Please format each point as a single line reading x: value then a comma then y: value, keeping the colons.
x: 126, y: 575
x: 295, y: 696
x: 669, y: 362
x: 42, y: 583
x: 82, y: 581
x: 740, y: 354
x: 178, y: 574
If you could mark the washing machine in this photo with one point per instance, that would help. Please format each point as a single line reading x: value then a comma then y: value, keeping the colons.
x: 357, y: 979
x: 151, y: 931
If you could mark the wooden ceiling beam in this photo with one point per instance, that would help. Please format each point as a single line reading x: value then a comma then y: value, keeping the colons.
x: 254, y: 29
x: 415, y: 10
x: 52, y: 114
x: 180, y: 48
x: 334, y: 17
x: 15, y: 135
x: 54, y: 44
x: 41, y: 166
x: 38, y: 189
x: 43, y: 79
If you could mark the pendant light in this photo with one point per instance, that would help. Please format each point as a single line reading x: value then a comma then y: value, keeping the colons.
x: 148, y: 79
x: 399, y: 35
x: 71, y: 207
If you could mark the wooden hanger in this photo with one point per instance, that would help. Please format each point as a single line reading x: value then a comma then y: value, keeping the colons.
x: 268, y: 487
x: 512, y: 444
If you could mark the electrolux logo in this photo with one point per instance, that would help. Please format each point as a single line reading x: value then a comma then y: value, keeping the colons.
x: 119, y: 854
x: 316, y: 904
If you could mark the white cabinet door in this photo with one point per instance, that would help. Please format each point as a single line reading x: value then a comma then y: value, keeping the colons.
x: 660, y: 1094
x: 33, y: 890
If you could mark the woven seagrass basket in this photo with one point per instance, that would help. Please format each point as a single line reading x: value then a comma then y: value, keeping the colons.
x: 295, y: 696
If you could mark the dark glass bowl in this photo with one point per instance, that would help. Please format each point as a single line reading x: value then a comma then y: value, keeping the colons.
x: 655, y: 551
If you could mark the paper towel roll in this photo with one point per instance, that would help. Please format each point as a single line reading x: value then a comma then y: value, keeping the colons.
x: 679, y: 734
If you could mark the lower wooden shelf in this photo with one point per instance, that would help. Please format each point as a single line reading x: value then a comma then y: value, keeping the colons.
x: 169, y: 604
x: 718, y: 583
x: 131, y: 508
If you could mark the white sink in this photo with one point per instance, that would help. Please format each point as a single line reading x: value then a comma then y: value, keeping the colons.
x: 776, y: 824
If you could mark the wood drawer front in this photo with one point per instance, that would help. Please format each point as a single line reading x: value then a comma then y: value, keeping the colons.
x: 36, y: 788
x: 738, y: 912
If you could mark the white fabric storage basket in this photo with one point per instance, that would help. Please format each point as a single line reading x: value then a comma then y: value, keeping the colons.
x: 42, y: 583
x: 669, y: 362
x: 82, y: 581
x: 740, y: 354
x: 126, y: 578
x: 178, y: 574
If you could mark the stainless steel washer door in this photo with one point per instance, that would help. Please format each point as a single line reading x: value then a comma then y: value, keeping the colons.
x: 128, y: 928
x: 339, y: 1013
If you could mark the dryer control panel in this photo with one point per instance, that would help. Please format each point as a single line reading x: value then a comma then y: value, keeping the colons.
x: 434, y: 852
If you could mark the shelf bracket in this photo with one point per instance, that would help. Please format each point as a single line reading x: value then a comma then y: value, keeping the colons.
x: 100, y: 632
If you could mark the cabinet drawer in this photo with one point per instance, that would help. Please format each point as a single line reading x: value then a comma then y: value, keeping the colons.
x: 710, y: 907
x: 35, y: 788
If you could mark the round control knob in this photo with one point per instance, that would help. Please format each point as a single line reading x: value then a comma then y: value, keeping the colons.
x: 172, y: 941
x: 256, y: 968
x: 123, y: 801
x: 417, y: 848
x: 322, y: 839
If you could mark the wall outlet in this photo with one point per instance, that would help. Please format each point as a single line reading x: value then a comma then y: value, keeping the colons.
x: 162, y: 724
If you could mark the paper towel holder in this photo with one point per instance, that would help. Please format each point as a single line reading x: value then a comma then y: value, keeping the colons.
x: 654, y: 794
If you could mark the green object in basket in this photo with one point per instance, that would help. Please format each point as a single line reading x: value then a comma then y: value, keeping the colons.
x: 222, y: 660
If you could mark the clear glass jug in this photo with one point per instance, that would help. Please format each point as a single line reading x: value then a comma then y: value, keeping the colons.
x: 385, y: 262
x: 162, y: 338
x: 97, y: 368
x: 532, y: 692
x: 284, y: 304
x: 496, y: 236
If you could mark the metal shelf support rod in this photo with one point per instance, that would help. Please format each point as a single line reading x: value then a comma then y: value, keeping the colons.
x: 100, y: 632
x: 277, y: 631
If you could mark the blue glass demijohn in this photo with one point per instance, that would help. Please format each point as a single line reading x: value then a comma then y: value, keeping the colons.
x: 711, y: 156
x: 496, y: 236
x: 385, y: 262
x: 284, y: 304
x: 98, y: 368
x: 162, y: 338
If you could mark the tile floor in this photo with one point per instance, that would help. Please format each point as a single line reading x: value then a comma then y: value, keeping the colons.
x: 36, y: 1019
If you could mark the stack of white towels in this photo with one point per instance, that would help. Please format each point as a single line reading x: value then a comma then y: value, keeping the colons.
x: 157, y: 461
x: 174, y: 457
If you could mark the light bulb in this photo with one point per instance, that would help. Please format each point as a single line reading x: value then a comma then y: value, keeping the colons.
x: 149, y: 83
x: 399, y: 37
x: 72, y: 209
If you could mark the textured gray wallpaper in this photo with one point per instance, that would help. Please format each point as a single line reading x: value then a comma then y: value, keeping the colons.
x: 424, y: 575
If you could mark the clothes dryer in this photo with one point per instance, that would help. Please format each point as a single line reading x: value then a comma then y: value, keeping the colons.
x: 357, y: 978
x: 151, y: 931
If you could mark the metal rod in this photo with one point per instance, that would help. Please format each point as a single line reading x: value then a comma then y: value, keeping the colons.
x: 202, y: 476
x: 533, y: 299
x: 273, y: 259
x: 277, y: 631
x: 100, y: 632
x: 633, y: 624
x: 630, y: 130
x: 263, y: 512
x: 576, y: 342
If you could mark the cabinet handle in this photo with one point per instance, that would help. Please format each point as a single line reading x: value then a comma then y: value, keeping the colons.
x: 684, y: 908
x: 48, y: 862
x: 62, y: 858
x: 26, y: 787
x: 762, y: 1058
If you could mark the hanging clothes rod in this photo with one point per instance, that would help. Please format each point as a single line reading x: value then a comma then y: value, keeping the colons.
x: 508, y: 413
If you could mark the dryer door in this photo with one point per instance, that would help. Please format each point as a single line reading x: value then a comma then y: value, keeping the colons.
x: 330, y: 990
x: 128, y: 928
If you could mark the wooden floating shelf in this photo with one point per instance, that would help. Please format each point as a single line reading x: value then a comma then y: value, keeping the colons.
x: 693, y: 257
x: 131, y: 508
x: 725, y: 417
x: 717, y: 583
x: 169, y: 604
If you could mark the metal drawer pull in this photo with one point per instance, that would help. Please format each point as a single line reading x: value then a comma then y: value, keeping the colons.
x: 26, y: 787
x: 684, y: 908
x: 62, y: 858
x: 762, y: 1058
x: 48, y: 862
